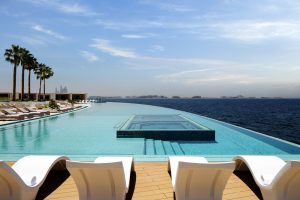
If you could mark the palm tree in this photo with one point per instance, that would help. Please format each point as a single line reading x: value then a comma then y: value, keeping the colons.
x: 40, y: 71
x: 48, y: 73
x: 26, y: 57
x: 32, y: 66
x: 12, y: 55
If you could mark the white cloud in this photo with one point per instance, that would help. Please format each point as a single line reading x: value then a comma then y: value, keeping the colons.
x: 143, y: 62
x: 129, y: 24
x: 171, y: 7
x: 157, y: 48
x: 210, y: 75
x: 106, y: 47
x: 240, y: 30
x: 233, y: 75
x: 11, y: 13
x: 32, y: 40
x: 138, y: 36
x: 90, y: 57
x: 62, y: 6
x: 249, y: 31
x: 187, y: 73
x: 133, y: 36
x: 51, y: 33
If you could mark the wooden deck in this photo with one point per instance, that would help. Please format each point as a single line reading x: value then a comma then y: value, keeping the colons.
x: 152, y: 181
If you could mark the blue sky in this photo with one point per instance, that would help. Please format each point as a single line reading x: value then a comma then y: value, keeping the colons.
x: 138, y: 47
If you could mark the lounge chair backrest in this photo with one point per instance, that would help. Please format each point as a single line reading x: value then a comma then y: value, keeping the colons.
x: 287, y: 181
x: 22, y: 110
x: 8, y: 112
x: 263, y: 168
x: 29, y: 109
x: 203, y: 181
x: 23, y: 180
x: 10, y: 181
x: 101, y: 181
x: 39, y: 106
x: 25, y: 168
x: 276, y: 178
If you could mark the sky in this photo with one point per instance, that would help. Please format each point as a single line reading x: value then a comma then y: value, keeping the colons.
x: 208, y: 48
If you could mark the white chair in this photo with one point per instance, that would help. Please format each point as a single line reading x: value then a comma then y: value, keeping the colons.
x: 23, y: 180
x: 105, y: 179
x: 193, y: 178
x: 277, y: 179
x: 4, y: 117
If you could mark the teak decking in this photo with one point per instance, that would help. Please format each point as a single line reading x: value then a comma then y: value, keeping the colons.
x: 152, y: 181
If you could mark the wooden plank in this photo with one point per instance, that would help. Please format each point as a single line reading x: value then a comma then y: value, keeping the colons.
x: 153, y: 182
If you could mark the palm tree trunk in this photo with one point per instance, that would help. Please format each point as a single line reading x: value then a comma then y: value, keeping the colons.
x: 14, y: 82
x: 40, y: 89
x: 44, y: 89
x: 29, y: 76
x: 23, y: 75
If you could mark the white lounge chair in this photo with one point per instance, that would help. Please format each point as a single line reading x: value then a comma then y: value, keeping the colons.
x: 32, y: 113
x: 4, y: 117
x: 23, y: 180
x: 105, y: 179
x: 193, y: 178
x: 43, y: 111
x: 11, y: 114
x: 277, y: 179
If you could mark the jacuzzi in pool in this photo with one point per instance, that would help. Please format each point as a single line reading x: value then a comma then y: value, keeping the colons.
x: 165, y: 127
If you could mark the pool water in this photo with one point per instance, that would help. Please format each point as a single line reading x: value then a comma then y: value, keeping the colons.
x: 91, y: 132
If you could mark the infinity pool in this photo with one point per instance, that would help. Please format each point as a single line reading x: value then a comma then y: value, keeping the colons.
x: 86, y: 134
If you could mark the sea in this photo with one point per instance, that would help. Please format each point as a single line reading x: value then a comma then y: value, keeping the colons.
x: 275, y: 117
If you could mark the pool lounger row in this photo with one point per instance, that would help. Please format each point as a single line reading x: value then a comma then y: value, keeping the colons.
x: 192, y: 177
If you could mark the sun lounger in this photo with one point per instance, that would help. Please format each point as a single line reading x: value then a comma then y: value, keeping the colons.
x: 45, y: 112
x: 194, y: 178
x: 32, y: 113
x: 4, y: 117
x: 9, y: 113
x: 277, y: 179
x: 23, y: 180
x: 105, y: 179
x: 64, y: 107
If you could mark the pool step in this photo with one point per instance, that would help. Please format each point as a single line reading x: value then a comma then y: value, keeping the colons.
x: 168, y: 148
x: 177, y: 149
x: 150, y: 147
x: 159, y: 147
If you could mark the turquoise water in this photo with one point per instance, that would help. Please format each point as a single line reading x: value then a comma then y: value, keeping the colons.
x: 91, y: 132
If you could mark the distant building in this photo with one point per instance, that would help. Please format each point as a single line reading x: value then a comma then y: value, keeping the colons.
x: 48, y: 96
x: 62, y: 90
x: 196, y: 97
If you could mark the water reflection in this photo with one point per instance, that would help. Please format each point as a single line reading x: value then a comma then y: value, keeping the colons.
x: 42, y: 134
x: 29, y: 130
x: 25, y: 136
x: 54, y: 118
x: 72, y: 115
x: 4, y: 141
x: 19, y: 136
